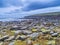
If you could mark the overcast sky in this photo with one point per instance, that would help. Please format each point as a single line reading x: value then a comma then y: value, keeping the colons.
x: 16, y: 8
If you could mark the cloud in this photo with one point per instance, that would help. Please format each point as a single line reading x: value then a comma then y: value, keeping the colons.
x: 45, y: 10
x: 14, y: 7
x: 42, y: 1
x: 23, y: 3
x: 9, y: 9
x: 33, y: 12
x: 38, y: 4
x: 46, y: 1
x: 7, y: 3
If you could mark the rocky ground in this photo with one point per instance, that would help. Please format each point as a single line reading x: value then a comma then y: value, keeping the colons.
x: 30, y: 32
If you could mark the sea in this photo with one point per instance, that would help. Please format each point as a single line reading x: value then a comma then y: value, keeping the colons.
x: 11, y: 19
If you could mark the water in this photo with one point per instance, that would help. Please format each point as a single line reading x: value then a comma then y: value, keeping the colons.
x: 10, y: 19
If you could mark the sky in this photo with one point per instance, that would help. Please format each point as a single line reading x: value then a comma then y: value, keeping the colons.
x: 20, y: 8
